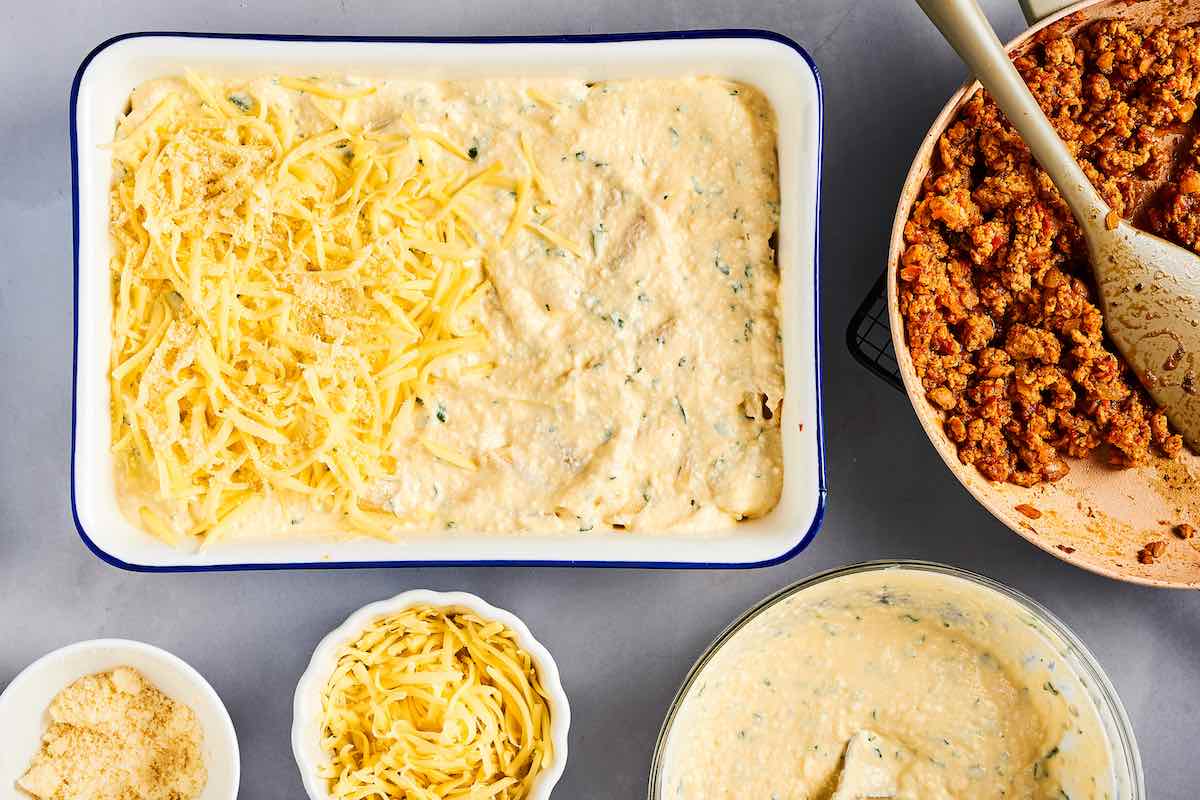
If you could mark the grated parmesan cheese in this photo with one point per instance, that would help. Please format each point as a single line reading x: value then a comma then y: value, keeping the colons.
x: 114, y: 736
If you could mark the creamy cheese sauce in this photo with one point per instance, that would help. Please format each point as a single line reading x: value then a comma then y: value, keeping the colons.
x: 637, y: 387
x: 958, y: 688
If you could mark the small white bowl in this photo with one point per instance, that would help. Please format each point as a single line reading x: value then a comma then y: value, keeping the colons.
x: 24, y: 703
x: 306, y: 718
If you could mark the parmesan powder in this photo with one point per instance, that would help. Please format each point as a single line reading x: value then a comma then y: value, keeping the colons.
x: 115, y: 736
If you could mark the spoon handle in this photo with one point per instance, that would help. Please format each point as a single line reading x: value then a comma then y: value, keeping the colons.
x: 965, y: 27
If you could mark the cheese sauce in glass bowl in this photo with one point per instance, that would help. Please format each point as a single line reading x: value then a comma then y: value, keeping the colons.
x: 942, y: 684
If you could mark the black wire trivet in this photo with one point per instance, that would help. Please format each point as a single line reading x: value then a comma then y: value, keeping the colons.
x: 870, y: 338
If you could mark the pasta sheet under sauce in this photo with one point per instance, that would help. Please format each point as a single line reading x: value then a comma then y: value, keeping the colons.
x: 637, y: 384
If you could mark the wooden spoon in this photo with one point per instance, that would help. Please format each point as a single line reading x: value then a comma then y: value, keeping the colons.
x: 1149, y: 288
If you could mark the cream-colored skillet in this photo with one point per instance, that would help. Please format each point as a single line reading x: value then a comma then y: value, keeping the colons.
x: 1096, y: 517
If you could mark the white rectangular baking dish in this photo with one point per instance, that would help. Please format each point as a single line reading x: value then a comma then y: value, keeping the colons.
x: 773, y: 63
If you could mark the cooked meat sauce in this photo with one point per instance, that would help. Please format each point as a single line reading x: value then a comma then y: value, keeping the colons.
x: 995, y: 287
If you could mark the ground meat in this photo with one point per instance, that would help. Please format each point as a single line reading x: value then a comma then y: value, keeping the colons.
x: 995, y: 288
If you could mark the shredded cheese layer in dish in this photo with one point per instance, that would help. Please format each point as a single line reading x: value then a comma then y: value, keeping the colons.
x: 408, y: 307
x: 434, y: 704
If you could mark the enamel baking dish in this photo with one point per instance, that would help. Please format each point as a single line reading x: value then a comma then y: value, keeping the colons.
x: 773, y: 63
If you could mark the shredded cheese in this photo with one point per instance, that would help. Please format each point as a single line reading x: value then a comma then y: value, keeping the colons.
x: 434, y: 704
x: 279, y: 299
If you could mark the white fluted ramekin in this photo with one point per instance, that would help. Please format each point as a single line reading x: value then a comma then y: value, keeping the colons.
x: 306, y: 718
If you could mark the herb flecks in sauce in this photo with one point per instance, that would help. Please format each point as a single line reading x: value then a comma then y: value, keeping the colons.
x: 784, y: 690
x: 631, y: 334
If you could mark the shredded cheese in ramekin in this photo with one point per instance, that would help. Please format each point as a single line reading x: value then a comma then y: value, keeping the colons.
x: 434, y: 704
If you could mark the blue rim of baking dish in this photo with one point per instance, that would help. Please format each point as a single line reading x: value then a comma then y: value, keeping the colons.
x: 587, y: 38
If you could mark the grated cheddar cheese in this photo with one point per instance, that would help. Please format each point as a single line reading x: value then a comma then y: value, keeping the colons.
x: 434, y: 704
x: 280, y: 300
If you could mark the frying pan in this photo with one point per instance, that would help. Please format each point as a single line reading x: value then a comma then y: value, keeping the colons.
x: 1096, y: 517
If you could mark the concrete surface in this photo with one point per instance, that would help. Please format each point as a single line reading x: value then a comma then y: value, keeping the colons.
x: 623, y: 639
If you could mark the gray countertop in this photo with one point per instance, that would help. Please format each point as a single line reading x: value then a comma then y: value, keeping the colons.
x: 623, y: 638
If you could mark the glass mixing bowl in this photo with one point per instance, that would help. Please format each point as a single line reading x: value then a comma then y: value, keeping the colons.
x: 1068, y: 649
